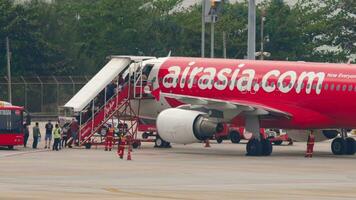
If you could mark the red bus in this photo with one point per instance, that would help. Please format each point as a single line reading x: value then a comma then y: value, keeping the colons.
x: 11, y: 125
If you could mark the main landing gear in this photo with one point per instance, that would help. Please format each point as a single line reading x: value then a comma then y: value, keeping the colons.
x: 343, y: 145
x: 262, y: 147
x: 256, y: 146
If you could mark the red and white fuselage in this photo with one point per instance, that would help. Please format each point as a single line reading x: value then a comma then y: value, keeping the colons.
x: 314, y: 95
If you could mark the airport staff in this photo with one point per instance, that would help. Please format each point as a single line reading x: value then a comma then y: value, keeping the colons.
x: 109, y: 138
x: 310, y: 145
x: 36, y: 134
x: 122, y: 144
x: 57, y: 138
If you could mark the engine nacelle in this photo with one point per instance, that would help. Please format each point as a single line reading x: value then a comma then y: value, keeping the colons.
x: 185, y: 126
x: 320, y: 135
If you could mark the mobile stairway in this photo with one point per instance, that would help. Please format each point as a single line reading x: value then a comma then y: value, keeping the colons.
x: 118, y: 107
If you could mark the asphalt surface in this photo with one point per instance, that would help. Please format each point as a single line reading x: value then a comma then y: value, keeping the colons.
x: 182, y: 172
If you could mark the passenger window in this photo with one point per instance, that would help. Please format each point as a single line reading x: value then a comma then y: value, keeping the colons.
x: 326, y: 87
x: 338, y: 88
x: 344, y: 88
x: 314, y: 86
x: 183, y: 80
x: 332, y: 87
x: 350, y: 88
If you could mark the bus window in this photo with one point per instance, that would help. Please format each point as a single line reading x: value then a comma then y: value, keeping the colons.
x: 10, y: 121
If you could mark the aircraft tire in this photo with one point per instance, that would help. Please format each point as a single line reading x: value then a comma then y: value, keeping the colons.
x: 254, y: 147
x: 145, y: 135
x: 338, y: 146
x: 235, y: 137
x: 166, y: 144
x: 278, y: 142
x: 136, y: 144
x: 159, y: 142
x: 87, y: 145
x: 350, y: 146
x: 219, y: 140
x: 267, y: 147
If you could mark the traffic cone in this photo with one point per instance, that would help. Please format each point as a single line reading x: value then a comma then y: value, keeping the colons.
x: 129, y: 155
x: 207, y: 143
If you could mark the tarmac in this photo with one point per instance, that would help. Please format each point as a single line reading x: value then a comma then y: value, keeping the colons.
x: 189, y: 172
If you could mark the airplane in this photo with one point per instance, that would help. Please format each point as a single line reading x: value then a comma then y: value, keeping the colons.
x: 203, y: 93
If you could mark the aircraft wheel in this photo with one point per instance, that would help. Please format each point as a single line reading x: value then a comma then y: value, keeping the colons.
x: 267, y: 147
x: 158, y: 142
x: 166, y: 144
x: 235, y: 137
x: 278, y: 142
x: 219, y: 140
x: 254, y: 147
x: 87, y: 145
x: 350, y: 146
x: 136, y: 144
x: 11, y: 147
x: 145, y: 135
x: 338, y: 146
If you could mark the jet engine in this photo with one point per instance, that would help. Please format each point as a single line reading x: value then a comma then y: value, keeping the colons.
x: 185, y: 126
x: 320, y: 135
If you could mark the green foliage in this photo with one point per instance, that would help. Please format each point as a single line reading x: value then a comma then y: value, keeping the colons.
x: 75, y: 36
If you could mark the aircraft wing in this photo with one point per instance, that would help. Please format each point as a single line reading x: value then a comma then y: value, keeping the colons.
x: 228, y: 109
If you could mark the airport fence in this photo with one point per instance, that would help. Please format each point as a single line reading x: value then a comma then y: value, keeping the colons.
x: 42, y: 95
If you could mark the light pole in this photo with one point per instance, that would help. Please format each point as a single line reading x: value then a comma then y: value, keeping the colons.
x: 8, y: 68
x: 251, y: 41
x: 262, y: 53
x: 203, y: 29
x: 212, y: 32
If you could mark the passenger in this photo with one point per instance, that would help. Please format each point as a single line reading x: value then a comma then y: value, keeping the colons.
x: 121, y: 82
x: 64, y: 137
x: 74, y: 130
x: 110, y: 90
x: 26, y: 135
x: 48, y: 137
x: 36, y: 135
x: 57, y: 138
x: 310, y: 145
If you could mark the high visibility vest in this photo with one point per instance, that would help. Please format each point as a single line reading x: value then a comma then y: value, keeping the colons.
x: 57, y: 133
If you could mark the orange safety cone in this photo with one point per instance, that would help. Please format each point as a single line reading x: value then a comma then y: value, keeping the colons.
x: 207, y: 143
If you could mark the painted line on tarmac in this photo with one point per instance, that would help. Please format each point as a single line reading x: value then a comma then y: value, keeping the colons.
x: 22, y: 153
x: 137, y: 194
